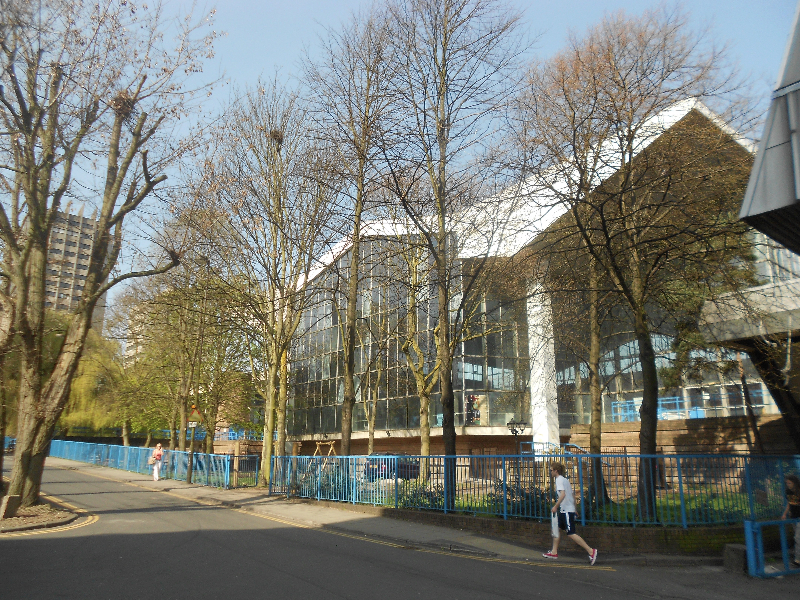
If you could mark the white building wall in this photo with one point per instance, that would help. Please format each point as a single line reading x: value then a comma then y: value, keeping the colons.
x: 541, y: 348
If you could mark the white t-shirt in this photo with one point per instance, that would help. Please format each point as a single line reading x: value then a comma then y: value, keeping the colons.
x: 568, y: 504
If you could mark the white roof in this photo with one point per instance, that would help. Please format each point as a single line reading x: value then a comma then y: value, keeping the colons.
x: 504, y: 224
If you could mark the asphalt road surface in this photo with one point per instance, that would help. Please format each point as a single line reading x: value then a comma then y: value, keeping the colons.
x: 142, y: 544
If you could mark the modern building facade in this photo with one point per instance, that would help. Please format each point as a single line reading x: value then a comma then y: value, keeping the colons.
x: 490, y: 372
x: 511, y: 366
x: 70, y: 247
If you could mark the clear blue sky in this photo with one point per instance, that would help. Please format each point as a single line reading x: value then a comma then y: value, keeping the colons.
x: 265, y: 34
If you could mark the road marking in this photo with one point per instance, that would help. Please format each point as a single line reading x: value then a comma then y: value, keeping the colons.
x: 358, y: 537
x: 64, y: 503
x: 76, y: 525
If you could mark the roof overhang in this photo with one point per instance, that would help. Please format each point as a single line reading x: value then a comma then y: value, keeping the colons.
x: 772, y: 200
x: 766, y: 311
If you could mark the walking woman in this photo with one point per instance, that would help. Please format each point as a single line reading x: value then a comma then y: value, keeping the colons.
x: 158, y: 454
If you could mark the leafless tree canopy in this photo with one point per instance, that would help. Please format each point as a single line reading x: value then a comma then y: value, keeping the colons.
x: 86, y: 90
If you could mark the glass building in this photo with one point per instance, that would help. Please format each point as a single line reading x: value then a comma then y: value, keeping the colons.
x: 509, y: 361
x: 489, y: 371
x: 713, y: 392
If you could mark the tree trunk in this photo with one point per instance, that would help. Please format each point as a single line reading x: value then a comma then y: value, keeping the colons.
x: 349, y: 337
x: 269, y: 423
x: 371, y: 420
x: 173, y: 432
x: 648, y: 414
x: 149, y: 439
x: 126, y: 432
x: 424, y: 435
x: 40, y: 406
x: 183, y: 421
x: 424, y: 424
x: 6, y: 337
x: 751, y: 416
x: 3, y: 420
x: 283, y: 396
x: 598, y: 492
x: 209, y: 442
x: 446, y: 373
x: 32, y: 446
x: 446, y: 377
x: 771, y: 372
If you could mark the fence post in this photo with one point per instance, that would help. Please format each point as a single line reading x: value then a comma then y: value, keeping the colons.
x: 749, y: 487
x: 444, y: 473
x: 319, y: 479
x: 353, y: 479
x: 750, y: 542
x: 680, y: 491
x: 227, y: 471
x: 274, y: 460
x: 505, y: 491
x: 208, y: 470
x: 580, y: 487
x: 396, y: 461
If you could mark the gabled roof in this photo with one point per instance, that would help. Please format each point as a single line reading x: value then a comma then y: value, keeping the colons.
x: 503, y: 225
x: 538, y: 200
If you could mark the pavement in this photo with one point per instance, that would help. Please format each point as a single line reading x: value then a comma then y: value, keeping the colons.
x: 363, y: 525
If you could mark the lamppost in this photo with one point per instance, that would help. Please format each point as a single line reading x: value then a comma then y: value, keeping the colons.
x: 516, y: 428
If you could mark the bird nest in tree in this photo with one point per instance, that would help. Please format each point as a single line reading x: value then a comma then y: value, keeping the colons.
x: 124, y: 105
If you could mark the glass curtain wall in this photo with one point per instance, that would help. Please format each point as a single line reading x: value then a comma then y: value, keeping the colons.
x: 709, y: 392
x: 489, y: 372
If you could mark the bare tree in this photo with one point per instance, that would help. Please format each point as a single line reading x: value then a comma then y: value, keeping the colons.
x: 269, y: 223
x: 350, y: 101
x: 80, y: 81
x: 648, y: 174
x: 456, y: 59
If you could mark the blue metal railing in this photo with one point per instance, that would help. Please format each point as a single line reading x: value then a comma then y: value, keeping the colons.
x: 216, y: 470
x: 166, y: 434
x: 756, y: 559
x: 677, y: 407
x: 687, y: 490
x: 239, y: 434
x: 9, y: 442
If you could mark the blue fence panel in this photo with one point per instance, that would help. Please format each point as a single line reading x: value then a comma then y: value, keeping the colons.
x: 757, y: 565
x: 207, y: 469
x: 685, y: 490
x: 239, y: 434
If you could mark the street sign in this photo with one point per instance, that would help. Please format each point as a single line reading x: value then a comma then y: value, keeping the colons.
x: 192, y: 424
x: 195, y: 415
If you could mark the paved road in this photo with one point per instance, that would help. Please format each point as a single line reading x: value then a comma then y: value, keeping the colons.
x: 148, y: 544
